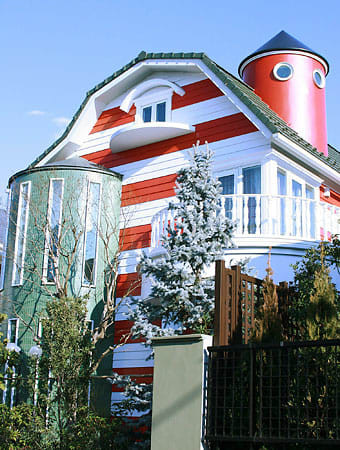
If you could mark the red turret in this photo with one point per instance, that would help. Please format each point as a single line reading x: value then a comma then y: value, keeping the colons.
x: 290, y: 78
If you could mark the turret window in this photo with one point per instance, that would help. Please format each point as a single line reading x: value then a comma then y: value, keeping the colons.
x: 91, y: 234
x: 53, y: 228
x: 283, y: 71
x: 20, y: 238
x: 319, y: 78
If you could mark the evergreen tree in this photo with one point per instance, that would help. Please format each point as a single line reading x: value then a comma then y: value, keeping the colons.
x: 183, y: 297
x: 268, y: 324
x: 312, y: 273
x: 322, y: 314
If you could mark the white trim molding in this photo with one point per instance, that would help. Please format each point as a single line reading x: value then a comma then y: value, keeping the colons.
x: 146, y: 86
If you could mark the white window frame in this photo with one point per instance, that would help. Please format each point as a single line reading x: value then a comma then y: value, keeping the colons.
x: 3, y: 261
x: 87, y: 215
x: 323, y: 79
x: 152, y: 100
x: 47, y: 231
x: 238, y: 175
x: 9, y: 335
x: 291, y: 176
x: 17, y: 233
x: 283, y: 64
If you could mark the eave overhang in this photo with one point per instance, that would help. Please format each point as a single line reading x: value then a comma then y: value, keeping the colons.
x: 305, y: 158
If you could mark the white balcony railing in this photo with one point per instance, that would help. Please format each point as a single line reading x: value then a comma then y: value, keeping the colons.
x: 263, y: 215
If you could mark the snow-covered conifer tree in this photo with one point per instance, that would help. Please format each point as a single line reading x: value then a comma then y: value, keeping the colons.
x: 183, y: 297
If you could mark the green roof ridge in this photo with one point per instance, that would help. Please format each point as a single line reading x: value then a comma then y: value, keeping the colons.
x: 244, y: 92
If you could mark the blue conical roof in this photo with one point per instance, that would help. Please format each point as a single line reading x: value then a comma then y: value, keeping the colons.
x: 283, y: 41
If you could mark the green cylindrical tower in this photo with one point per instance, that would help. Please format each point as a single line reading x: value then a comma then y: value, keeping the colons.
x: 63, y: 227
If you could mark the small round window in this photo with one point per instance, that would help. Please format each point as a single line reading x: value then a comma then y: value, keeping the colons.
x: 319, y: 78
x: 283, y: 71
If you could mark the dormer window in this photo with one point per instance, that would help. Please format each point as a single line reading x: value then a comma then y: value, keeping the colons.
x: 154, y: 107
x: 154, y: 113
x: 152, y: 99
x: 153, y: 117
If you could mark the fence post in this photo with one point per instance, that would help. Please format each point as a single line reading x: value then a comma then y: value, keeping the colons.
x: 236, y: 313
x: 220, y: 316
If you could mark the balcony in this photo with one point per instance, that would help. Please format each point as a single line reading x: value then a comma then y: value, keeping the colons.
x: 273, y: 217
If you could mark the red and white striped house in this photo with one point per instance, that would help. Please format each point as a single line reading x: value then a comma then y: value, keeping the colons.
x: 280, y: 178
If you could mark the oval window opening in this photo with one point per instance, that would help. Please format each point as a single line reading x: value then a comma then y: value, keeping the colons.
x: 283, y: 71
x: 319, y: 78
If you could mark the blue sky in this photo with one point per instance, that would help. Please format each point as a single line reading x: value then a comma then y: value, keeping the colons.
x: 53, y: 52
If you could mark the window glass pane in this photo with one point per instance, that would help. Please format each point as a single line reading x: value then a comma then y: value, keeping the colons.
x: 296, y: 189
x: 92, y: 220
x: 309, y: 192
x: 252, y: 185
x: 147, y: 114
x: 228, y: 189
x: 160, y: 112
x: 227, y: 184
x: 297, y: 208
x: 284, y: 71
x: 282, y: 190
x: 12, y: 330
x: 5, y: 238
x: 19, y: 253
x: 281, y: 183
x: 311, y: 210
x: 252, y: 180
x: 54, y: 227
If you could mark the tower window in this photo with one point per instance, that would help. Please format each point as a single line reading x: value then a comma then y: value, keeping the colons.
x: 53, y: 229
x: 20, y: 238
x: 319, y: 78
x: 283, y: 71
x: 91, y: 234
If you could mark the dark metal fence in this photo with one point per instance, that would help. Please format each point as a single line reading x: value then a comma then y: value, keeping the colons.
x: 274, y: 394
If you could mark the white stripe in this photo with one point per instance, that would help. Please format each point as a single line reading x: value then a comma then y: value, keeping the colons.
x: 196, y: 113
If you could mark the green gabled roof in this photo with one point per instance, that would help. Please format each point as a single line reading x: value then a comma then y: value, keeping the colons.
x: 245, y: 93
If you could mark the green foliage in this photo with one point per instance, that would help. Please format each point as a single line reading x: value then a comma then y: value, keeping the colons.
x: 268, y: 325
x: 92, y: 432
x: 312, y: 284
x: 65, y: 365
x: 20, y: 427
x: 322, y: 314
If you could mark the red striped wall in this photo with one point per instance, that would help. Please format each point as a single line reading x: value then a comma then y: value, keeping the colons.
x: 333, y: 199
x: 113, y: 118
x: 128, y: 284
x: 211, y: 131
x: 122, y: 329
x: 146, y: 191
x: 135, y: 237
x: 131, y: 371
x: 195, y: 93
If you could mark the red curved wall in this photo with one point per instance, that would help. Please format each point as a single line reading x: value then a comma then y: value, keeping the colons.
x: 298, y: 100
